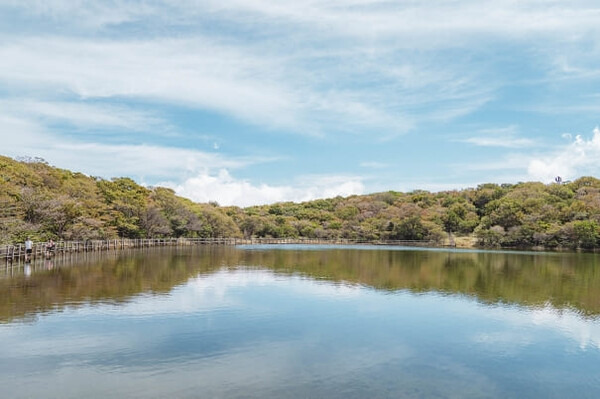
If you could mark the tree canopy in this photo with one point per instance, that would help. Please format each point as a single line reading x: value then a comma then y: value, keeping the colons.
x: 45, y: 202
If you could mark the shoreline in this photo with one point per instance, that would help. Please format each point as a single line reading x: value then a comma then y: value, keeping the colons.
x: 16, y: 253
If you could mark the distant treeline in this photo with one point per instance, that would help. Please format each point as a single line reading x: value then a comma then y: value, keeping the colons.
x: 44, y: 202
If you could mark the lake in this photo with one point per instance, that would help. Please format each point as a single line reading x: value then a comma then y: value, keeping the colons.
x: 302, y: 322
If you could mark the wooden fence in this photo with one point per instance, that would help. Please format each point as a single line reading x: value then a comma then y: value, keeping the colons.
x: 39, y: 249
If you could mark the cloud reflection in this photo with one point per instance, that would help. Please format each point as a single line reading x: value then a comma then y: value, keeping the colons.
x: 244, y: 330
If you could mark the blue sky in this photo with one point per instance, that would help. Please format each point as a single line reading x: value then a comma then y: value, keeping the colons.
x: 253, y: 101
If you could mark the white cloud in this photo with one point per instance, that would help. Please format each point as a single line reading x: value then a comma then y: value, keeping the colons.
x: 246, y: 82
x: 370, y: 67
x: 176, y: 70
x: 26, y: 137
x: 86, y: 14
x: 143, y: 160
x: 373, y: 165
x: 580, y: 157
x: 364, y: 19
x: 567, y: 322
x: 571, y: 324
x: 501, y: 137
x: 308, y: 89
x: 523, y: 328
x: 227, y: 190
x: 21, y: 135
x: 83, y: 115
x: 508, y: 142
x: 218, y: 291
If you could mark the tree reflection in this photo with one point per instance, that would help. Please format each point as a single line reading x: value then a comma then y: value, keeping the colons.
x: 563, y: 280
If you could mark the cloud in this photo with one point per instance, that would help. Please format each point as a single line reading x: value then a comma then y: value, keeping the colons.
x: 571, y: 324
x: 26, y: 137
x: 510, y: 162
x: 315, y: 89
x: 218, y: 291
x: 374, y: 165
x: 239, y: 81
x: 508, y: 142
x: 21, y: 135
x: 171, y: 70
x: 227, y: 190
x: 580, y: 157
x: 145, y: 160
x: 363, y: 19
x: 567, y: 322
x: 500, y: 137
x: 84, y: 115
x: 322, y: 69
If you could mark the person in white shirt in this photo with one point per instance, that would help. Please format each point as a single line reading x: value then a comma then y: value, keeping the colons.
x: 28, y: 248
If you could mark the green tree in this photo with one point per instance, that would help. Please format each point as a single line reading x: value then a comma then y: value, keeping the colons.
x: 587, y: 233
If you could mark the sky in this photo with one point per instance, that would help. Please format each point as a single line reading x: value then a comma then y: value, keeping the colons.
x: 248, y: 102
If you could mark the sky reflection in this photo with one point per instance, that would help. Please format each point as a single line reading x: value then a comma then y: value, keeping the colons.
x: 322, y: 322
x: 252, y: 332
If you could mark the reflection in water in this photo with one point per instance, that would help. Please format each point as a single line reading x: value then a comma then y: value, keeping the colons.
x: 302, y: 322
x: 48, y: 264
x: 562, y: 280
x: 27, y: 269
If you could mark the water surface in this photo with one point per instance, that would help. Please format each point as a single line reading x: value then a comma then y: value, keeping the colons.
x: 301, y: 321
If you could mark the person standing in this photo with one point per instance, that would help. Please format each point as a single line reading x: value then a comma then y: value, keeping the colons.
x: 50, y: 246
x: 28, y: 248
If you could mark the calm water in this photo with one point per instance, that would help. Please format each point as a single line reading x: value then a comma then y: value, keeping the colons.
x: 302, y: 322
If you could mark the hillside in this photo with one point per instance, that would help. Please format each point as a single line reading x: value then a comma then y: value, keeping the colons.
x: 45, y: 202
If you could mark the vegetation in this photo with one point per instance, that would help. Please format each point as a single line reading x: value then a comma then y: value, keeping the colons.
x: 46, y: 202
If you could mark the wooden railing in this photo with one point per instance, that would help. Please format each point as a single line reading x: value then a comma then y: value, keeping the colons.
x: 40, y: 249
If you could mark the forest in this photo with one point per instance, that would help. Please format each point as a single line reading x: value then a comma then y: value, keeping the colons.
x: 45, y: 202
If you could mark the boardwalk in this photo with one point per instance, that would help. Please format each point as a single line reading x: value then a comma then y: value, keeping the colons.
x: 16, y: 252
